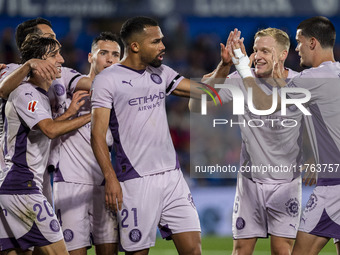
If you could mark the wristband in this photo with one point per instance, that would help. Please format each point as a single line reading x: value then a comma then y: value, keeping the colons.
x: 241, y: 63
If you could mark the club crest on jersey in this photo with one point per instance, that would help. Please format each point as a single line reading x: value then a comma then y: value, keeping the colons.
x: 312, y: 202
x: 135, y: 235
x: 32, y: 106
x: 59, y: 89
x: 54, y: 225
x: 68, y: 235
x: 292, y: 207
x: 240, y: 223
x: 156, y: 78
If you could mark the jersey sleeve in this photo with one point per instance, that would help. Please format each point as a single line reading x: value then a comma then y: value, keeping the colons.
x: 102, y: 92
x: 172, y: 79
x: 29, y: 104
x: 305, y: 81
x: 8, y: 70
x: 70, y: 78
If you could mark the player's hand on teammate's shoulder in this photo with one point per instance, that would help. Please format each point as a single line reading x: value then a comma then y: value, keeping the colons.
x: 2, y: 66
x: 43, y: 68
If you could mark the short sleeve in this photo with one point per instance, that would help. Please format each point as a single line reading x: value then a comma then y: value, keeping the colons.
x: 102, y: 92
x: 30, y: 105
x: 304, y: 82
x: 8, y: 70
x: 70, y: 78
x: 172, y: 79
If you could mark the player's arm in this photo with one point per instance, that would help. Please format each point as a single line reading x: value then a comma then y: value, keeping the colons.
x: 38, y: 66
x: 84, y: 84
x: 100, y: 123
x: 221, y: 71
x: 54, y: 128
x: 187, y: 88
x: 194, y: 103
x: 261, y: 100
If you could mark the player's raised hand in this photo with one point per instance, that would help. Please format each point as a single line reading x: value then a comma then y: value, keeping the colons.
x: 239, y: 56
x: 277, y: 65
x: 78, y: 100
x: 207, y: 76
x: 113, y: 194
x: 43, y: 68
x: 278, y: 69
x: 225, y: 55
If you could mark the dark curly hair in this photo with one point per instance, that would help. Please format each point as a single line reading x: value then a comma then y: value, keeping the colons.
x: 36, y: 46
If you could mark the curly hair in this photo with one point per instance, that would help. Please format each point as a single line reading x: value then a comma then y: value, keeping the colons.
x: 36, y: 46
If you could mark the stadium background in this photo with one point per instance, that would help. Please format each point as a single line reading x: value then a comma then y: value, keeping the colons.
x: 193, y: 30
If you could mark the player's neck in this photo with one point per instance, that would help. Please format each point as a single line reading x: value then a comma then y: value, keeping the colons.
x: 323, y: 56
x: 91, y: 74
x: 133, y: 62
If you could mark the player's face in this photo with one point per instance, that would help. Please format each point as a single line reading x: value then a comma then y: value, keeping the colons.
x: 303, y: 49
x: 152, y: 47
x: 46, y: 31
x: 56, y: 59
x: 103, y: 55
x: 263, y: 49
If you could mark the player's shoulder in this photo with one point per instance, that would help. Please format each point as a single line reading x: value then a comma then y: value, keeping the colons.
x: 324, y: 70
x: 114, y: 69
x: 8, y: 69
x: 292, y: 73
x: 26, y: 89
x: 68, y: 70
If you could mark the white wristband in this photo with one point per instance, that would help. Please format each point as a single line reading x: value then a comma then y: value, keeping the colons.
x: 238, y: 53
x: 241, y: 63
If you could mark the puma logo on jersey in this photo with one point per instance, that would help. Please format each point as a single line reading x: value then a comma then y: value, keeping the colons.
x: 32, y: 106
x: 29, y: 94
x: 127, y: 82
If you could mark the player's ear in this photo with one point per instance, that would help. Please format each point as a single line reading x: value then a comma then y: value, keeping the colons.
x: 283, y: 55
x: 312, y: 43
x: 89, y: 58
x: 135, y: 47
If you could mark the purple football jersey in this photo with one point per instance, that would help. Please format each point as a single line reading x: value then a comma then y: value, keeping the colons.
x: 323, y: 125
x: 272, y: 144
x: 26, y: 147
x: 138, y: 120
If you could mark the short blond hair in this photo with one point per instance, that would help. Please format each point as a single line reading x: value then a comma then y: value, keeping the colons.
x: 280, y: 36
